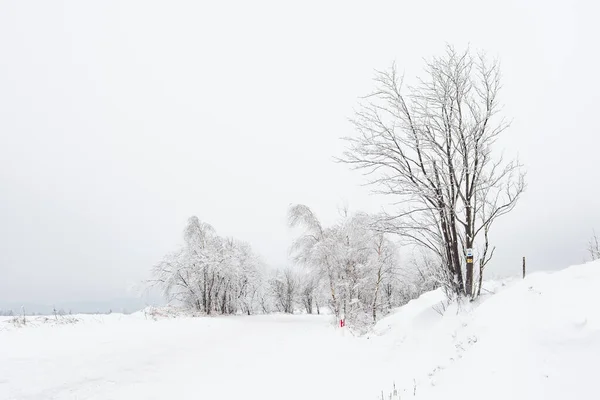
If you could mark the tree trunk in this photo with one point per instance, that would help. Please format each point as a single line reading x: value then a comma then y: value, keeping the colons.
x: 334, y: 302
x: 480, y: 277
x: 376, y: 295
x: 469, y: 243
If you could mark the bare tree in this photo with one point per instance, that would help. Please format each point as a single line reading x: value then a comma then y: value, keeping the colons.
x: 309, y: 282
x: 385, y: 263
x: 594, y: 247
x: 430, y: 146
x: 285, y: 287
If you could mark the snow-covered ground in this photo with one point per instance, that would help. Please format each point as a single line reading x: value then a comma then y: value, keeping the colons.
x: 128, y: 357
x: 537, y: 338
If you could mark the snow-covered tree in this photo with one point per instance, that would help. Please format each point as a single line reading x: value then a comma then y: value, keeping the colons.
x: 594, y: 247
x: 430, y: 147
x: 285, y: 287
x: 211, y: 274
x: 308, y: 293
x: 385, y: 265
x: 350, y: 261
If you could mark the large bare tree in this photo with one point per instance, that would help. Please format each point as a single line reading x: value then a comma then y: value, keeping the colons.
x: 430, y: 146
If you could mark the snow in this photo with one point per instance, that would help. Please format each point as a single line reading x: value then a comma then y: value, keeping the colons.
x: 537, y: 338
x: 106, y: 357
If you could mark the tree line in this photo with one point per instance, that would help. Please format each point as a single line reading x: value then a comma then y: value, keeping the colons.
x: 350, y: 270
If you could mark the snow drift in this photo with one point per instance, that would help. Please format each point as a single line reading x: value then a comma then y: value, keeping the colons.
x: 536, y: 338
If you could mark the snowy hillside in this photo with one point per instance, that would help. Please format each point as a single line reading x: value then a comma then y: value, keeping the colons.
x: 537, y: 338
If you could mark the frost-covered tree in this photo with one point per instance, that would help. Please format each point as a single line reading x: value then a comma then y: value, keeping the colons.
x: 594, y: 247
x: 350, y: 261
x: 308, y: 293
x: 285, y: 287
x: 385, y: 265
x: 211, y: 274
x: 422, y: 274
x: 430, y: 147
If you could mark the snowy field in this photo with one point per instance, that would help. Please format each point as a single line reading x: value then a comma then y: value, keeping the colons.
x: 128, y: 357
x: 537, y: 338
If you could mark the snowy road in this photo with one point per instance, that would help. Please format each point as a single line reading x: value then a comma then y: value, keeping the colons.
x: 262, y: 357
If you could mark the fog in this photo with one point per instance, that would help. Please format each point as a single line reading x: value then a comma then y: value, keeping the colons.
x: 119, y: 120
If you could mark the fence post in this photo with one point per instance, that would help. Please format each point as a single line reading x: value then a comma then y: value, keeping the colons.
x: 523, y: 267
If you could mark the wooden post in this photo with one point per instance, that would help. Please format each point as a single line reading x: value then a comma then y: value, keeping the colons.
x: 523, y: 267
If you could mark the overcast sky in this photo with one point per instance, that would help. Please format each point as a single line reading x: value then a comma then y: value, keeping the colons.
x: 120, y: 119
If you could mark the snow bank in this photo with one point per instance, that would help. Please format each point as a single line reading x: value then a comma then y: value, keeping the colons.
x: 537, y: 338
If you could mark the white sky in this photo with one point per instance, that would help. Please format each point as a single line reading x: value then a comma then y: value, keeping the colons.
x: 119, y: 120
